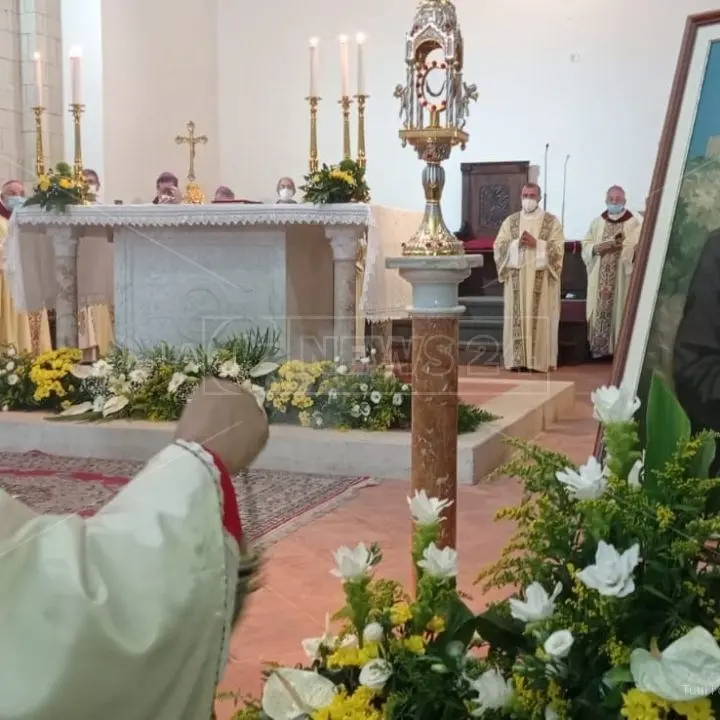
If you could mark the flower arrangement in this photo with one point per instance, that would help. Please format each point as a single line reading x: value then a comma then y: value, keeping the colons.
x: 343, y: 183
x: 16, y: 388
x: 51, y: 374
x: 59, y: 189
x: 620, y: 613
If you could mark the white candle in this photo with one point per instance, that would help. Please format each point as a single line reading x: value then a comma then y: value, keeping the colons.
x: 361, y: 64
x: 314, y: 67
x: 37, y: 58
x: 76, y: 75
x: 344, y: 66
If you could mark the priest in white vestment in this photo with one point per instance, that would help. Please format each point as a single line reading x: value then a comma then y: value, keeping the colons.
x: 529, y: 250
x: 127, y: 615
x: 609, y: 253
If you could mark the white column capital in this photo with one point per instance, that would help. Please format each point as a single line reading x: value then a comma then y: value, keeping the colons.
x: 435, y: 281
x: 344, y: 240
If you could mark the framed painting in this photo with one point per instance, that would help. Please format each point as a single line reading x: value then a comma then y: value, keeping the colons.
x: 672, y: 322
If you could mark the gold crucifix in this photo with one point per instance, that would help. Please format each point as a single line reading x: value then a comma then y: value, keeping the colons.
x: 192, y: 140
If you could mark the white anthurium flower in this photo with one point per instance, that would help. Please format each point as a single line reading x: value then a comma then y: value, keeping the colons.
x: 80, y: 409
x: 375, y: 674
x: 289, y: 693
x: 341, y: 369
x: 637, y: 473
x: 426, y: 510
x: 176, y: 382
x: 13, y: 379
x: 373, y: 633
x: 612, y: 573
x: 82, y: 372
x: 559, y: 644
x: 98, y: 403
x: 258, y: 392
x: 494, y: 692
x: 229, y: 369
x: 441, y: 564
x: 614, y: 405
x: 587, y: 483
x: 537, y: 606
x: 114, y: 405
x: 688, y: 669
x: 352, y: 564
x: 312, y: 646
x: 262, y: 369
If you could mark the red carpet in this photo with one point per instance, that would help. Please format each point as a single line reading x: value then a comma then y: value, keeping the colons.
x: 272, y: 503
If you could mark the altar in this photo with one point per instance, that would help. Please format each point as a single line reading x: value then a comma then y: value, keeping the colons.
x: 188, y: 274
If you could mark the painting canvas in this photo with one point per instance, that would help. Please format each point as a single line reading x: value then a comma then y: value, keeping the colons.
x: 683, y: 209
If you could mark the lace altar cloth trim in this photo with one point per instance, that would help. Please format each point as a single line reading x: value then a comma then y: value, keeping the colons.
x: 109, y: 216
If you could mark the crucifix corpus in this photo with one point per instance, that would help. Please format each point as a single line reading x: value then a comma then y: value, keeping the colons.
x: 193, y: 193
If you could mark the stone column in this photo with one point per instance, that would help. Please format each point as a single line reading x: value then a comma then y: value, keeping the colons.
x: 344, y: 243
x: 65, y: 245
x: 435, y: 318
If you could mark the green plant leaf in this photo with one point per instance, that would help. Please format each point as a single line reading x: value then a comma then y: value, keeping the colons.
x: 501, y: 632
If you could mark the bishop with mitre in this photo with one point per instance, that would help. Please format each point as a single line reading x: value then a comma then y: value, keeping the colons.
x: 127, y: 614
x: 529, y: 250
x: 609, y: 252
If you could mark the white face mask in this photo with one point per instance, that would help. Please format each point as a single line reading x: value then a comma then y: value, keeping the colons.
x: 529, y: 205
x: 13, y: 202
x: 286, y: 193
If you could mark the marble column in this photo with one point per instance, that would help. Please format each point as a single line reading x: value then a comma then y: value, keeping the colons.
x: 344, y: 243
x: 435, y: 316
x: 65, y: 244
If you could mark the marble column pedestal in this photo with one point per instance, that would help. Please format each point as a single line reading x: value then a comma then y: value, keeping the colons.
x: 435, y: 316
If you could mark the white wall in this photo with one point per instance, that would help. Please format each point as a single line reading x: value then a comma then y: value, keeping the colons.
x: 82, y: 26
x: 591, y: 78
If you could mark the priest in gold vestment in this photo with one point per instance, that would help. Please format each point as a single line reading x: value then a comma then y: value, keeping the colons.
x: 608, y: 252
x: 529, y: 251
x: 26, y: 333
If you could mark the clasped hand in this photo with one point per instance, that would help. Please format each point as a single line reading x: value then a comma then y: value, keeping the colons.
x: 527, y: 240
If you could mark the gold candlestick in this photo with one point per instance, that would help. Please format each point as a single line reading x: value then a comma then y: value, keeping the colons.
x: 313, y: 163
x: 39, y: 145
x: 76, y: 110
x: 362, y: 155
x: 345, y: 103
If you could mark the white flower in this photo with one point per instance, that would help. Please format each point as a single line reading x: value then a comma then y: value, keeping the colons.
x: 332, y: 395
x: 80, y: 409
x: 114, y: 405
x: 119, y: 385
x: 290, y: 693
x: 176, y: 382
x: 637, y: 472
x: 139, y: 376
x: 5, y: 408
x: 365, y: 360
x: 375, y: 396
x: 397, y: 399
x: 355, y: 411
x: 257, y: 392
x: 101, y: 369
x: 98, y: 403
x: 558, y: 645
x: 341, y: 369
x: 494, y: 692
x: 352, y: 564
x: 405, y: 388
x: 538, y: 605
x: 13, y: 379
x: 364, y: 409
x: 373, y: 352
x: 612, y: 573
x: 337, y: 360
x: 614, y: 405
x: 363, y: 387
x: 229, y: 369
x: 10, y: 366
x: 687, y: 669
x: 373, y: 633
x: 586, y: 483
x: 438, y: 563
x: 312, y: 646
x: 317, y: 419
x: 375, y: 674
x: 262, y: 369
x: 551, y: 714
x: 11, y: 352
x: 426, y: 510
x: 192, y: 368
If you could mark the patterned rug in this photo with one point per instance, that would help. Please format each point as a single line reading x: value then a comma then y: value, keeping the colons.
x: 272, y: 504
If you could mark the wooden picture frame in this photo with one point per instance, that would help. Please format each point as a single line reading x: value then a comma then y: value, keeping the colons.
x: 676, y: 222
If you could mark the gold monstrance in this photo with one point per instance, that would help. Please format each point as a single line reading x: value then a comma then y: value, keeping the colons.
x: 434, y: 105
x: 193, y: 192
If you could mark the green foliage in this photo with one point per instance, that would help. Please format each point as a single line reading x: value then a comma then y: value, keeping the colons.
x: 59, y: 189
x: 16, y: 387
x: 343, y: 183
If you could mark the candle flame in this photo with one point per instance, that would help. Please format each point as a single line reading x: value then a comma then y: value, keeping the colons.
x: 343, y: 38
x: 75, y: 51
x: 314, y: 42
x: 37, y: 56
x: 360, y: 38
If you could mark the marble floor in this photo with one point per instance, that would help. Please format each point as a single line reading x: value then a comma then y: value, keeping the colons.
x: 298, y: 589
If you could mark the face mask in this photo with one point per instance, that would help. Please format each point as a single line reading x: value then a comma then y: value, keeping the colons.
x: 14, y: 202
x: 286, y: 194
x: 615, y: 209
x: 529, y: 205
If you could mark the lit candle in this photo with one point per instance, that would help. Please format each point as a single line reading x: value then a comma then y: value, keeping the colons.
x: 37, y: 58
x: 361, y: 64
x: 314, y: 67
x: 76, y: 74
x: 344, y: 66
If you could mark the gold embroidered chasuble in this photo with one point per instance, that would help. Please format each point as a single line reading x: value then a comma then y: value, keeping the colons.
x: 608, y: 278
x: 531, y: 280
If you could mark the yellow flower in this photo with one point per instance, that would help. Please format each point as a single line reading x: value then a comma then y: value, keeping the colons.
x: 694, y: 709
x: 65, y: 183
x: 44, y: 183
x: 343, y: 176
x: 357, y: 706
x: 414, y: 644
x: 353, y: 656
x: 400, y: 613
x: 665, y: 516
x: 639, y: 705
x: 436, y: 624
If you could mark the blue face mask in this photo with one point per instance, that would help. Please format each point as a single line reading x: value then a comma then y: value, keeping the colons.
x: 615, y: 209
